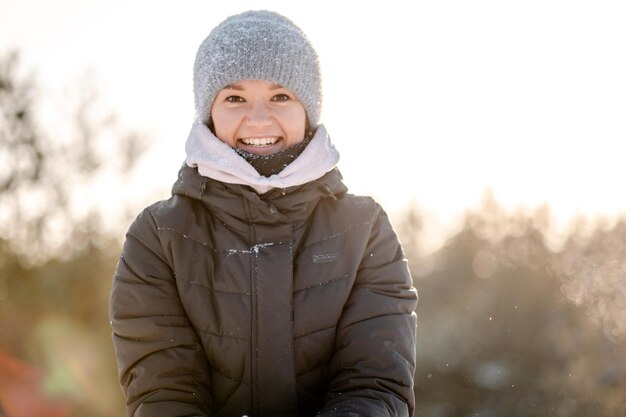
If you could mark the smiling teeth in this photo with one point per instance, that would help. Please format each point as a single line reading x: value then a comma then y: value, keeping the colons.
x: 259, y: 141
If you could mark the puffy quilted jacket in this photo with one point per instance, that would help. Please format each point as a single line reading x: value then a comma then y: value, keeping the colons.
x: 291, y: 303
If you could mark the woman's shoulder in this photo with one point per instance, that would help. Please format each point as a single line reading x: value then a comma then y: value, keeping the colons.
x: 351, y: 209
x: 359, y: 201
x: 360, y: 204
x: 165, y: 213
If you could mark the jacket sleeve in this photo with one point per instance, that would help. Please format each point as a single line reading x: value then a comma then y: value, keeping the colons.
x: 374, y: 360
x: 162, y: 369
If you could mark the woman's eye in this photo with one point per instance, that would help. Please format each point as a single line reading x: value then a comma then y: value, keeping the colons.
x: 235, y: 99
x: 281, y: 97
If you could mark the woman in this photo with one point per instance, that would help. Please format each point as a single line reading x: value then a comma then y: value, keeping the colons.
x: 261, y: 287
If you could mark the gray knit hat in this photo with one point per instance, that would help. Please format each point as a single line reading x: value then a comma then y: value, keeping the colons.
x: 257, y: 45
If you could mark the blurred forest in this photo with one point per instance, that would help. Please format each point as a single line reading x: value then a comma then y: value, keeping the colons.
x: 511, y: 320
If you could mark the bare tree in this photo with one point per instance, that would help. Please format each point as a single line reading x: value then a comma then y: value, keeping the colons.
x: 45, y: 208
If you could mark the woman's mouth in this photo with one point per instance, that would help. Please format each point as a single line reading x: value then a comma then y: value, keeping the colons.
x: 259, y: 142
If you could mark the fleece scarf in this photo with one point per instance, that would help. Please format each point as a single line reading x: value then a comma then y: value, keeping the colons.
x: 271, y: 164
x: 217, y: 160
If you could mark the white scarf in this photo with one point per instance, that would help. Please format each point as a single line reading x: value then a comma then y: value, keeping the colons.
x: 215, y: 159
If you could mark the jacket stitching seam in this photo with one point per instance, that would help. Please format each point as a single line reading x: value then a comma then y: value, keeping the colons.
x: 315, y: 331
x: 229, y: 377
x: 316, y: 367
x: 221, y: 335
x: 335, y: 235
x: 211, y: 288
x: 193, y: 239
x: 386, y: 315
x: 320, y: 284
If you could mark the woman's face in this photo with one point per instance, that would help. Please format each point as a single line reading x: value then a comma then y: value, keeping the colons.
x: 258, y: 116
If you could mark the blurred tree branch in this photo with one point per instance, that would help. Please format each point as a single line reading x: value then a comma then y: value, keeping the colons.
x: 46, y: 177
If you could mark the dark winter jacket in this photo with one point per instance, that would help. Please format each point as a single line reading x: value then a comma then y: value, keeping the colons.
x: 294, y: 302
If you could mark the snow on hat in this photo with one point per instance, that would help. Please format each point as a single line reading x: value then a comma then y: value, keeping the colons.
x: 257, y: 45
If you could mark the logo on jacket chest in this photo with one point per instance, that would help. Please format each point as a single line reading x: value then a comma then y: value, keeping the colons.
x: 325, y: 258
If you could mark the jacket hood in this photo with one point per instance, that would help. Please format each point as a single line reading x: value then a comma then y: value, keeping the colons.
x: 239, y: 205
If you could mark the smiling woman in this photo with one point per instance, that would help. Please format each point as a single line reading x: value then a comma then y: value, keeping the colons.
x: 262, y: 287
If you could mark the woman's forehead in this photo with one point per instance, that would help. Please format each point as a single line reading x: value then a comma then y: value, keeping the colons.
x: 241, y: 85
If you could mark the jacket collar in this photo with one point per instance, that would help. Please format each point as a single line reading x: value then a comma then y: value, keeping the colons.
x: 239, y: 205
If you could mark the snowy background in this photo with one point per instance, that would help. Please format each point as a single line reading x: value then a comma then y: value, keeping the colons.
x: 428, y: 102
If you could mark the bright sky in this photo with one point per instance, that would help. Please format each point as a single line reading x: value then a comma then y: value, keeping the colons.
x: 430, y: 101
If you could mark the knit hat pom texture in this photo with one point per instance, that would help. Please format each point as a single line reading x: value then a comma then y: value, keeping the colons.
x: 257, y: 45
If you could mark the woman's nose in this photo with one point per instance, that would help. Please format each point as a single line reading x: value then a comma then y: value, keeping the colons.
x: 259, y: 115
